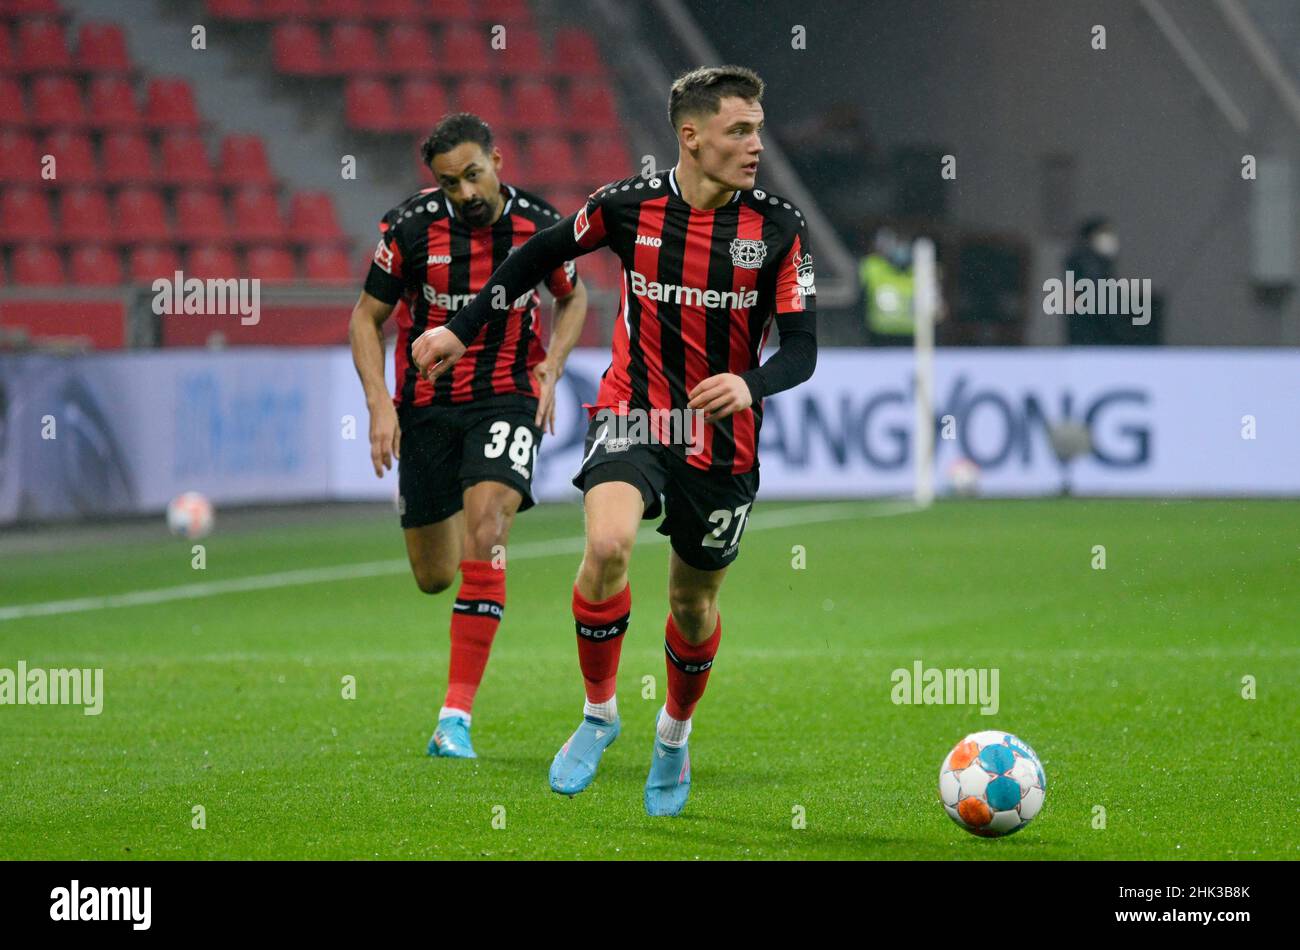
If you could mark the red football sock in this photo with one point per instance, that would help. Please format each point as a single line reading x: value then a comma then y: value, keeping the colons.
x: 688, y: 668
x: 600, y: 626
x: 479, y: 605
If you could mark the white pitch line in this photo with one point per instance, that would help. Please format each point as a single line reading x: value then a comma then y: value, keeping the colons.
x: 781, y: 518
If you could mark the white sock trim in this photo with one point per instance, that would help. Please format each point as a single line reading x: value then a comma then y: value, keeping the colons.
x: 449, y: 712
x: 672, y: 732
x: 606, y: 711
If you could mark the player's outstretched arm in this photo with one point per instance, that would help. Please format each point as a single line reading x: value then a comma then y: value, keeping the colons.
x: 436, y: 350
x: 365, y: 333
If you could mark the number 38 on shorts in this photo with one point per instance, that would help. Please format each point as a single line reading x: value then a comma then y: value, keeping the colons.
x: 516, y: 442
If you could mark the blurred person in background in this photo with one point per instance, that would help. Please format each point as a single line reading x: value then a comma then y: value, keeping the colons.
x: 888, y: 290
x: 1093, y: 258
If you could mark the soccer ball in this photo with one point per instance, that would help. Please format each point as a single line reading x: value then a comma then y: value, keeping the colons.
x: 992, y: 784
x: 190, y: 515
x: 964, y: 477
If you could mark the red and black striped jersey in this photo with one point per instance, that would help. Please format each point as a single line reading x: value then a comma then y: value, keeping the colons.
x: 700, y: 292
x: 431, y: 263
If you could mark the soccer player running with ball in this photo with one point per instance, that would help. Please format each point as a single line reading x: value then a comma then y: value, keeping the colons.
x: 709, y: 262
x: 467, y: 443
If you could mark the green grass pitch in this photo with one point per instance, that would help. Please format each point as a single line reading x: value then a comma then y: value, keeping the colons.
x: 1127, y: 681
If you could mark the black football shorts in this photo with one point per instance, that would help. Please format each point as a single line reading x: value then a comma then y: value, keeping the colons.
x: 704, y: 512
x: 446, y: 449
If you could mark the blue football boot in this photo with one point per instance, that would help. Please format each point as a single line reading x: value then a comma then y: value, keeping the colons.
x: 669, y: 782
x: 575, y: 764
x: 451, y: 739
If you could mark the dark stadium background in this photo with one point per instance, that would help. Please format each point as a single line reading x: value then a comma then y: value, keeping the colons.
x: 235, y: 160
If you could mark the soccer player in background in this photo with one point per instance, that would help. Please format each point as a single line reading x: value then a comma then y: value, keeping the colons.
x: 709, y: 261
x: 466, y: 444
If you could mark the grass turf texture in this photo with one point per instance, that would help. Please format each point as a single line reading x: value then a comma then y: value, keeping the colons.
x: 1127, y: 681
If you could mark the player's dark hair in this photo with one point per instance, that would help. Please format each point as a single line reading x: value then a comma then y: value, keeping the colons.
x: 453, y: 130
x: 1092, y: 226
x: 701, y: 91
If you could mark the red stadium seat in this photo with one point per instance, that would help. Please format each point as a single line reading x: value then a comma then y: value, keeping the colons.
x: 149, y: 263
x: 551, y: 161
x: 329, y: 263
x: 398, y: 11
x: 185, y: 160
x: 465, y: 52
x: 353, y: 50
x: 84, y: 215
x: 296, y: 50
x: 96, y: 266
x: 483, y: 98
x: 170, y: 104
x: 74, y: 157
x: 42, y: 47
x: 510, y: 12
x: 605, y: 158
x: 244, y: 161
x: 271, y: 264
x: 535, y: 105
x: 140, y: 216
x: 423, y: 102
x: 369, y: 107
x: 113, y: 104
x: 101, y: 48
x: 36, y: 265
x: 523, y: 55
x: 257, y: 216
x: 56, y: 101
x: 13, y: 107
x: 340, y: 9
x: 201, y: 216
x: 576, y: 53
x: 312, y: 218
x: 408, y: 49
x: 210, y: 261
x: 128, y: 157
x: 25, y: 216
x: 285, y: 9
x: 447, y: 11
x: 8, y: 59
x: 31, y: 7
x: 19, y: 160
x: 591, y: 108
x: 235, y: 9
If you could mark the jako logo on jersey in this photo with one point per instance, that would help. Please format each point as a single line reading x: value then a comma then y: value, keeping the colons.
x: 692, y: 296
x: 439, y: 259
x: 748, y: 253
x: 454, y: 302
x: 649, y: 240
